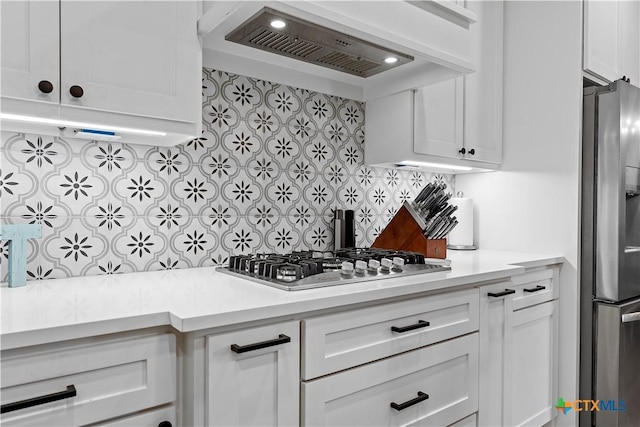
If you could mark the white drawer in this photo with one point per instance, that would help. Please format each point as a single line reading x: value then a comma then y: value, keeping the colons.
x: 363, y: 396
x: 146, y: 419
x: 470, y: 421
x: 535, y: 287
x: 339, y: 341
x: 111, y: 379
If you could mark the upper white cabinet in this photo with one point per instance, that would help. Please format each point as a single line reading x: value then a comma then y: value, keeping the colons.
x: 30, y: 50
x: 456, y: 123
x: 611, y: 40
x: 134, y: 65
x: 435, y: 34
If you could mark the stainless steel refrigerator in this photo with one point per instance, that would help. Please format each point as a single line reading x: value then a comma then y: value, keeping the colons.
x: 610, y: 256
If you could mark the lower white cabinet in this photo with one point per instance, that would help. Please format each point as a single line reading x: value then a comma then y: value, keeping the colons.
x: 519, y: 351
x: 164, y: 417
x: 432, y: 386
x: 90, y: 381
x: 253, y: 376
x: 534, y: 369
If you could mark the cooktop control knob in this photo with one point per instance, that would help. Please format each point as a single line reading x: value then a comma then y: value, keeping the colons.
x: 374, y: 265
x: 386, y: 264
x: 361, y: 267
x: 398, y: 264
x: 347, y: 269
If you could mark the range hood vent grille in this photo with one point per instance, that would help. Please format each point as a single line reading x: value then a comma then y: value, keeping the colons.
x: 314, y: 44
x: 348, y: 62
x: 272, y: 40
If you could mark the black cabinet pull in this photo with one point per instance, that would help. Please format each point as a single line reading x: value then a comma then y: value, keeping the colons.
x: 400, y: 406
x: 462, y: 150
x: 472, y: 151
x: 536, y: 289
x: 503, y: 293
x: 76, y: 91
x: 165, y: 424
x: 282, y: 339
x: 420, y: 324
x: 34, y: 401
x: 45, y: 86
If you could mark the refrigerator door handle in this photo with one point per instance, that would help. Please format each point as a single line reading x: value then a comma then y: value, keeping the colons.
x: 631, y: 317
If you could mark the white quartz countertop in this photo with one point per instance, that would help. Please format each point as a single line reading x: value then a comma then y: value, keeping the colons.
x: 200, y: 298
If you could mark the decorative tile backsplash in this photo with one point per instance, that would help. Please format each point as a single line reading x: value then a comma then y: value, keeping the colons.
x: 271, y: 165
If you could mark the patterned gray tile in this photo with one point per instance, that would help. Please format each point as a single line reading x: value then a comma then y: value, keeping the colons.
x: 350, y: 113
x: 210, y: 87
x: 283, y: 147
x: 199, y: 148
x: 284, y: 102
x: 319, y: 109
x: 19, y: 187
x: 140, y: 245
x: 75, y: 186
x: 351, y: 155
x: 195, y: 243
x: 271, y: 165
x: 167, y: 162
x: 76, y: 246
x: 219, y: 115
x: 243, y: 238
x: 195, y: 189
x: 243, y: 94
x: 139, y: 189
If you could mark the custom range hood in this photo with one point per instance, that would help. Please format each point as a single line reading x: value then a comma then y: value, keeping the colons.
x: 353, y: 49
x: 286, y: 35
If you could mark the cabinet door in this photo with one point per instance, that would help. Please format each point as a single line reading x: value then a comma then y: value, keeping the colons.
x: 495, y: 355
x: 534, y: 365
x: 630, y: 46
x: 30, y: 49
x: 483, y: 89
x: 254, y: 388
x: 462, y: 118
x: 439, y: 122
x: 602, y: 39
x: 137, y: 57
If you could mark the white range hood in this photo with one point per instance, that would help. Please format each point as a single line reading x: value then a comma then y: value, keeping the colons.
x: 435, y: 34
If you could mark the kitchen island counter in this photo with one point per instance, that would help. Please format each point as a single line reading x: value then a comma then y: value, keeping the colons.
x: 202, y: 298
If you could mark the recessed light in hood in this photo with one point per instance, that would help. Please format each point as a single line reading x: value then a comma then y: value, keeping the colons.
x: 308, y: 42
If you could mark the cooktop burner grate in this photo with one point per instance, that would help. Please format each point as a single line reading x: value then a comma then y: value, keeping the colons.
x: 310, y: 269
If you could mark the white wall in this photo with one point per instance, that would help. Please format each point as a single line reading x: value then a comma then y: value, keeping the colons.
x: 532, y: 205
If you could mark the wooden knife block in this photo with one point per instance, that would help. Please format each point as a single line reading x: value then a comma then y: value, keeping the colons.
x: 404, y: 233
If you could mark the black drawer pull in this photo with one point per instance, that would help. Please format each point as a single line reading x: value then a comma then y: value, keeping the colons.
x: 282, y: 339
x: 34, y: 401
x: 503, y: 293
x: 400, y: 406
x: 536, y: 289
x: 420, y: 324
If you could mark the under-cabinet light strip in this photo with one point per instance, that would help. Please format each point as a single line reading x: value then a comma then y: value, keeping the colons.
x: 72, y: 124
x: 434, y: 165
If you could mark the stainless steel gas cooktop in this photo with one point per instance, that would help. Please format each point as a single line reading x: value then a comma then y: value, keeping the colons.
x: 309, y: 269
